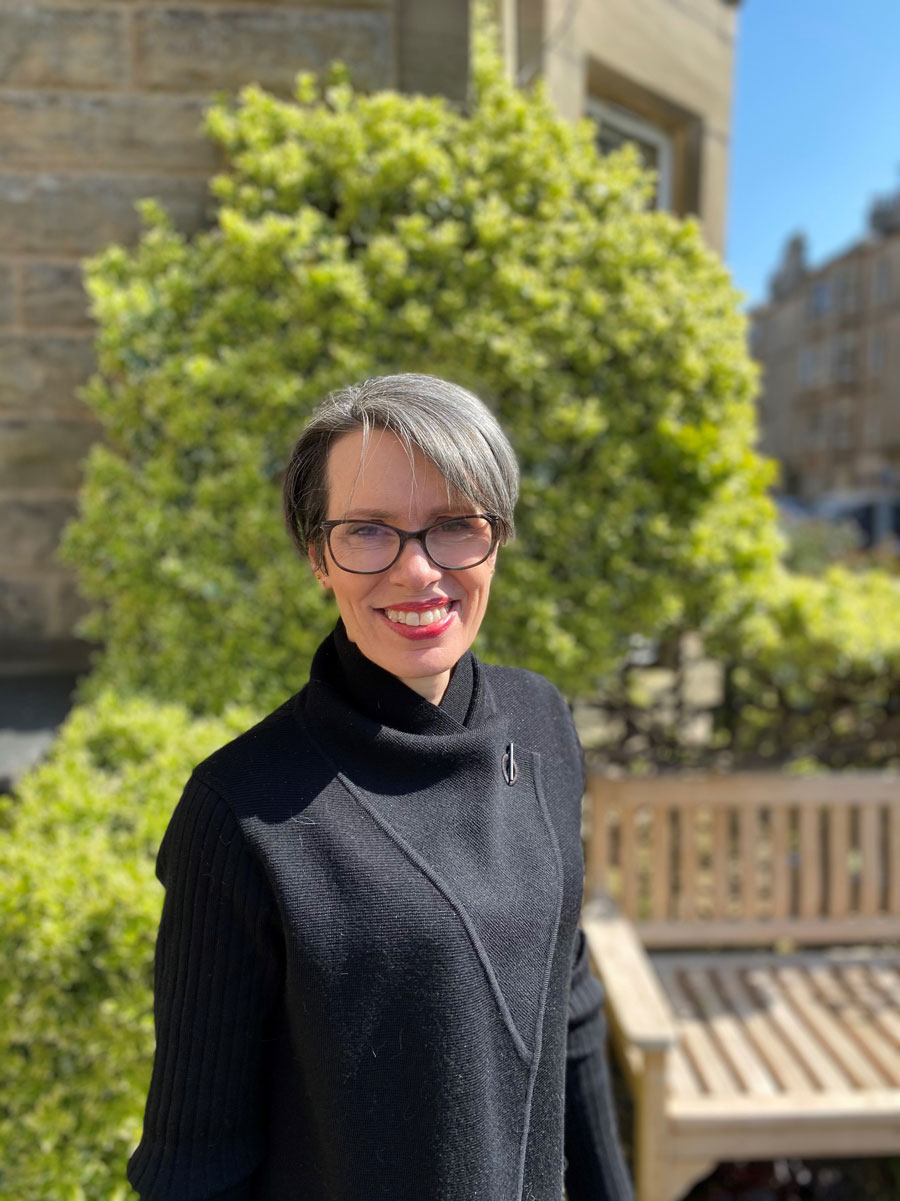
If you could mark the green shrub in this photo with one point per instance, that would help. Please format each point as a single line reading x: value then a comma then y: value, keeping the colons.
x: 79, y: 908
x: 813, y: 545
x: 362, y: 234
x: 814, y: 670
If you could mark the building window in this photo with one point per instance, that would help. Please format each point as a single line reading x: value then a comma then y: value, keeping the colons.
x: 845, y: 357
x: 820, y: 298
x: 821, y: 357
x: 617, y: 125
x: 881, y: 286
x: 815, y: 429
x: 876, y: 352
x: 806, y: 367
x: 872, y: 428
x: 848, y: 290
x: 842, y: 424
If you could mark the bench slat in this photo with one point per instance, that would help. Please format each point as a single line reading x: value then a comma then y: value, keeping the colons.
x: 857, y: 1021
x: 887, y: 981
x: 720, y: 860
x: 838, y: 861
x: 775, y: 1051
x: 746, y: 1127
x: 681, y: 1080
x: 735, y: 932
x: 742, y: 1056
x: 714, y: 1072
x: 870, y: 854
x: 747, y: 828
x: 757, y: 788
x: 687, y: 861
x: 810, y: 862
x: 893, y: 859
x: 659, y: 864
x: 856, y: 979
x: 820, y: 1065
x: 781, y: 896
x: 628, y: 861
x: 829, y: 1030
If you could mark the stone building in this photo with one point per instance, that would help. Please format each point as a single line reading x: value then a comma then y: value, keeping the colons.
x: 658, y: 73
x: 100, y: 102
x: 828, y: 341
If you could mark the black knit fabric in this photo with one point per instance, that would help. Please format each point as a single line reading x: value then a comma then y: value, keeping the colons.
x: 370, y: 981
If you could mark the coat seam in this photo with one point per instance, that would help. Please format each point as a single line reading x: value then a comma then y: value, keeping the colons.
x: 522, y: 1049
x: 537, y: 770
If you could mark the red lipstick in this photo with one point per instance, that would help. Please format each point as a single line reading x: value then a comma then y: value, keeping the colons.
x: 417, y: 633
x: 433, y: 602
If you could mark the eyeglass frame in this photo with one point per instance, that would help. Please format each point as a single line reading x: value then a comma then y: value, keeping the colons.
x: 407, y: 536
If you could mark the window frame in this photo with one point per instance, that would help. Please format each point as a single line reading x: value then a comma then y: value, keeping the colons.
x: 639, y: 129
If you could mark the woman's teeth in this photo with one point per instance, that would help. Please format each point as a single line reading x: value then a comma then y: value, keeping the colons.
x: 417, y: 618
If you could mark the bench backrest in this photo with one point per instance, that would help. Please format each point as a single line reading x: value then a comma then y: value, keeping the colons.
x: 749, y: 858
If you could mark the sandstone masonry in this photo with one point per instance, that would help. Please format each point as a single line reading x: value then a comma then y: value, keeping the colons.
x: 100, y: 106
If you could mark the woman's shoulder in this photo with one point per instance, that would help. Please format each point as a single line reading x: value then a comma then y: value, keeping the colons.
x: 534, y: 704
x: 520, y: 685
x: 539, y: 717
x: 260, y: 763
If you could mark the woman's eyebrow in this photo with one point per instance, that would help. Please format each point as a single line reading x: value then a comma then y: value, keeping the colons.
x: 354, y: 514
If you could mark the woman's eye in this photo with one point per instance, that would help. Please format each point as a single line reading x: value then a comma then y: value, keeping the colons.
x: 366, y: 531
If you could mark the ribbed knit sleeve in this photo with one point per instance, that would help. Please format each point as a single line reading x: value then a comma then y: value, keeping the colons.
x: 595, y: 1169
x: 216, y: 970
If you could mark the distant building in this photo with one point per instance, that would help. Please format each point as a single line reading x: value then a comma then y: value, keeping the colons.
x: 100, y: 105
x: 828, y: 341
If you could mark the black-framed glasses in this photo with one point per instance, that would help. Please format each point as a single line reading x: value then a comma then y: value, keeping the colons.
x: 367, y: 547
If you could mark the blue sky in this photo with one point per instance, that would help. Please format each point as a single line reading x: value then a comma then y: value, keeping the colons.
x: 815, y: 128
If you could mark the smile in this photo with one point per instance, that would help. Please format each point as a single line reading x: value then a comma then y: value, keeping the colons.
x: 426, y: 617
x: 421, y: 623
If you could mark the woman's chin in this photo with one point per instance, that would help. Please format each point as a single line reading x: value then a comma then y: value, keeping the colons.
x: 416, y: 658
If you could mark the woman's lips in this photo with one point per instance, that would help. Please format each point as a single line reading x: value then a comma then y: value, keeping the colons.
x: 432, y: 629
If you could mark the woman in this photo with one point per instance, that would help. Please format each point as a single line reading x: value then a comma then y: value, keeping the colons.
x: 370, y: 982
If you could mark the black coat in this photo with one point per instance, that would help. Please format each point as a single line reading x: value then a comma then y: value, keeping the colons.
x: 370, y: 982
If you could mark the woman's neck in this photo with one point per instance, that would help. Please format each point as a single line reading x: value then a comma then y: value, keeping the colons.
x: 405, y: 704
x: 432, y: 688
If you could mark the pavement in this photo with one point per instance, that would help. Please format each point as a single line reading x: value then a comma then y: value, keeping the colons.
x: 32, y: 708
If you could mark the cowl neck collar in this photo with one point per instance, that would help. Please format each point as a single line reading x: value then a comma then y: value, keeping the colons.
x: 386, y: 700
x: 378, y: 732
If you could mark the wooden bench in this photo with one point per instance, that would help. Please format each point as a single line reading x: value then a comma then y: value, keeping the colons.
x: 730, y: 1051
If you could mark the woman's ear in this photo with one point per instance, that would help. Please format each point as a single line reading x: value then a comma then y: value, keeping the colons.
x: 319, y: 569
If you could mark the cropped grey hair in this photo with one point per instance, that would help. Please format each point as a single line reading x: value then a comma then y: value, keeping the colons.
x: 449, y: 425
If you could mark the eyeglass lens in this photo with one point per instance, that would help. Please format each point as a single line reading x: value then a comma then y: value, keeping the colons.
x: 365, y: 546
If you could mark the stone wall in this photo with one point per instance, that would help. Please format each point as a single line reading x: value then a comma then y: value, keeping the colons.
x: 100, y: 104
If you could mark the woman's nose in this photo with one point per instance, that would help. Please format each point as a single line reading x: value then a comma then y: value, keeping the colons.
x: 414, y: 568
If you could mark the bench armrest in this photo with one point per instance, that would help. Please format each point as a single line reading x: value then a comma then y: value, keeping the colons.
x: 638, y: 1005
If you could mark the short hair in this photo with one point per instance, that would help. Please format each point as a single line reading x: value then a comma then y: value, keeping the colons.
x: 449, y: 425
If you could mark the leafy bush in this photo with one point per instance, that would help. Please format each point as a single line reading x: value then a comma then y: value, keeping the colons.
x: 807, y: 673
x: 79, y: 909
x: 362, y: 234
x: 813, y: 545
x: 814, y: 670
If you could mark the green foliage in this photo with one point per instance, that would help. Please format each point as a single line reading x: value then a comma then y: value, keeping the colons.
x: 364, y: 234
x: 815, y: 670
x: 79, y: 908
x: 814, y: 544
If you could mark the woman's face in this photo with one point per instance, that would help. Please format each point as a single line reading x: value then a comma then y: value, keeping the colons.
x: 380, y: 483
